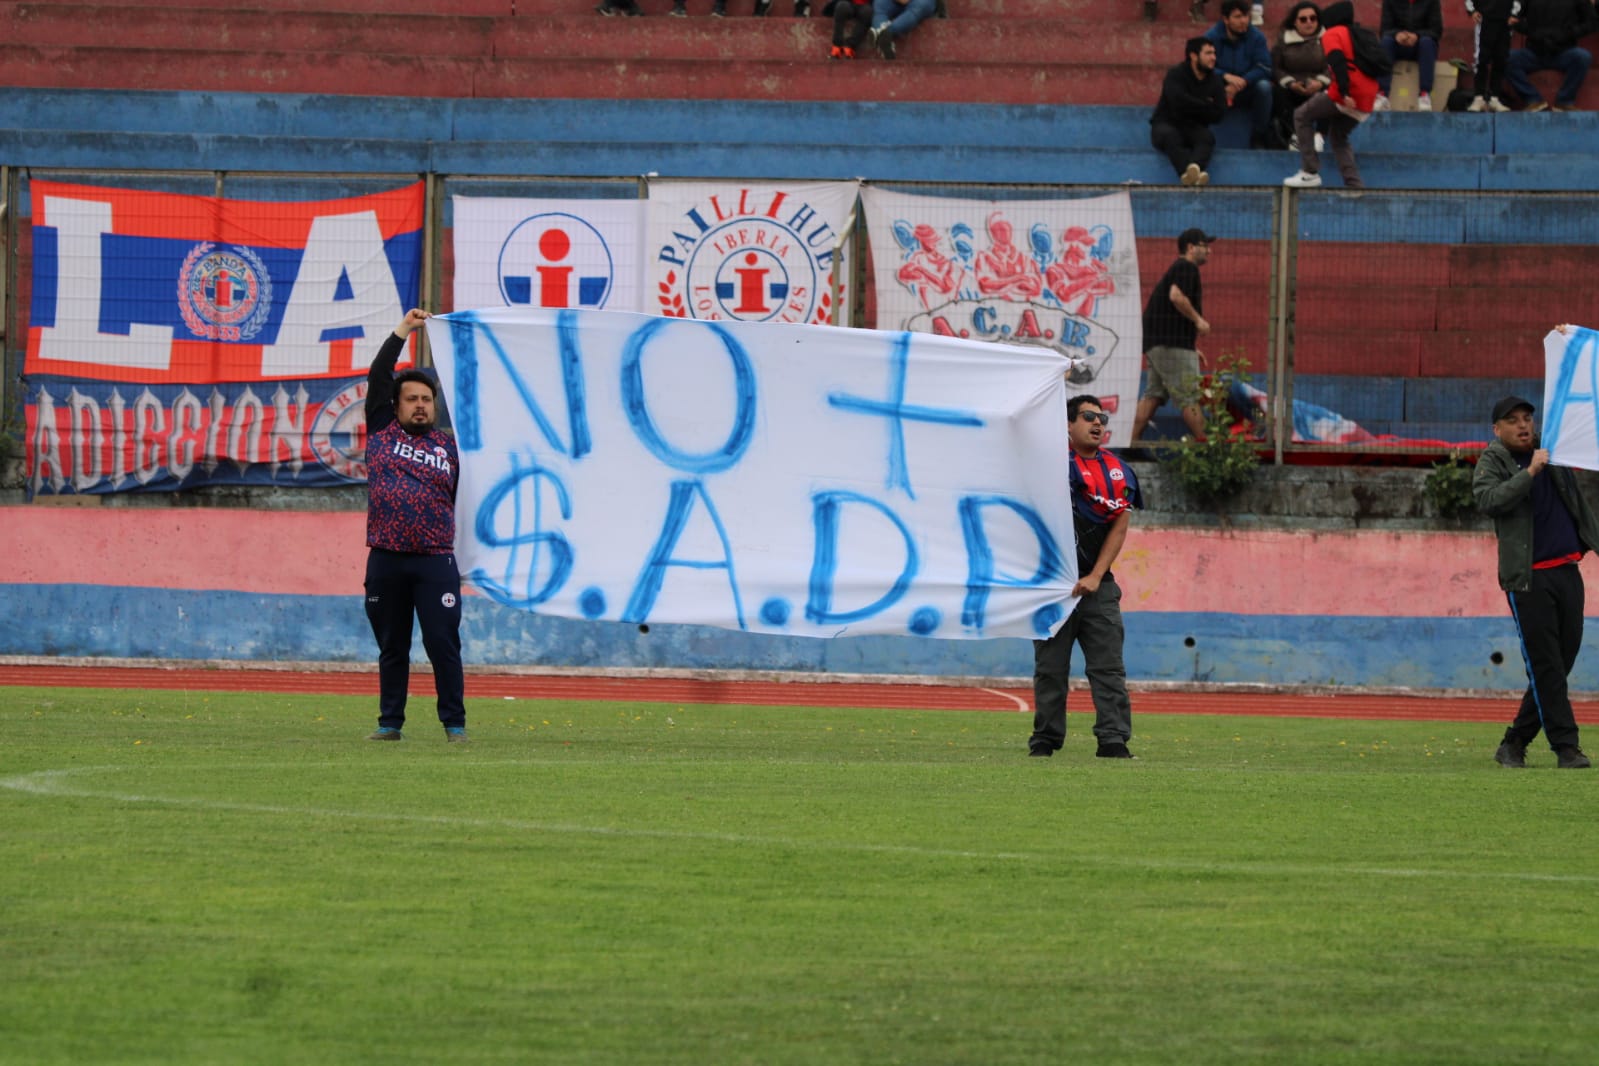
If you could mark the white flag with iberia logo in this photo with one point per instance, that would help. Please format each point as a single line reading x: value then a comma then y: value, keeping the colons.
x: 749, y: 252
x: 580, y: 254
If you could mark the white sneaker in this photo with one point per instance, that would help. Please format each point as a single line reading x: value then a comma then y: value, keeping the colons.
x: 1477, y: 104
x: 1293, y: 143
x: 1257, y: 15
x: 1496, y: 104
x: 1191, y: 175
x: 1381, y: 103
x: 1424, y: 102
x: 1321, y: 143
x: 1303, y: 180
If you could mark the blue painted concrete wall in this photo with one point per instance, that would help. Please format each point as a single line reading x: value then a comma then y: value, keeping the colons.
x: 141, y: 623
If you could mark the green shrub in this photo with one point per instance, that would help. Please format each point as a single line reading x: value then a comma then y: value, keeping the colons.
x: 1448, y: 487
x: 1219, y: 466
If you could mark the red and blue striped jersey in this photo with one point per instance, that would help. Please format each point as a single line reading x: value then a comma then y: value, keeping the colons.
x: 1102, y: 488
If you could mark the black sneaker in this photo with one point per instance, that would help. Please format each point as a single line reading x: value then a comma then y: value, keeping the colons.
x: 719, y: 9
x: 1511, y: 755
x: 1114, y: 750
x: 762, y: 7
x: 1571, y: 758
x: 802, y: 9
x: 1039, y: 753
x: 678, y: 11
x: 607, y: 9
x: 386, y: 732
x: 885, y: 41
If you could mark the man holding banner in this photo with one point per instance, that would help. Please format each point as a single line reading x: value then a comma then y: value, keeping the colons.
x: 412, y: 474
x: 1544, y: 526
x: 1104, y: 493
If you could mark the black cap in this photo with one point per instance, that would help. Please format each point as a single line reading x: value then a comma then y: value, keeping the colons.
x: 1192, y: 236
x: 1510, y: 404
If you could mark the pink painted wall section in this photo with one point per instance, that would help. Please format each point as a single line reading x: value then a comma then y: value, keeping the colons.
x: 1273, y: 572
x: 293, y: 553
x: 1256, y: 572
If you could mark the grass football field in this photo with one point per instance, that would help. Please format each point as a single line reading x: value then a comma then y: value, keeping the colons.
x: 237, y: 878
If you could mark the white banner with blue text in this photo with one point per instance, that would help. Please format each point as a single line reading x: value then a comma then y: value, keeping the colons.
x: 548, y: 253
x: 781, y: 479
x: 1571, y: 397
x: 728, y: 251
x: 1061, y: 274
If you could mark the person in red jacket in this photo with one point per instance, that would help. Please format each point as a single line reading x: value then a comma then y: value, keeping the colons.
x: 1343, y: 105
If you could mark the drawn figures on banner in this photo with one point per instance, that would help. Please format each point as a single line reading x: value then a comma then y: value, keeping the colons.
x: 1003, y: 294
x: 555, y: 259
x: 750, y: 257
x: 522, y: 550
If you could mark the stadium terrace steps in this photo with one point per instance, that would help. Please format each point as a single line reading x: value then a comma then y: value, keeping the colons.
x: 1004, y: 51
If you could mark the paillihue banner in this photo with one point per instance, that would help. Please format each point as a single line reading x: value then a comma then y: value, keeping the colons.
x: 761, y: 477
x: 1571, y: 397
x: 548, y: 253
x: 1061, y: 274
x: 742, y: 252
x: 183, y: 340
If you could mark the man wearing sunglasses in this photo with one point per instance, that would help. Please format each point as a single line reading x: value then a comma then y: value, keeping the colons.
x: 1104, y: 494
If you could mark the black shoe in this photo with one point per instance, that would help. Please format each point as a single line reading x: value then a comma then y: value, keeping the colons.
x: 1151, y: 11
x: 1512, y: 755
x: 1571, y: 758
x: 762, y: 7
x: 885, y: 41
x: 679, y: 10
x: 719, y: 10
x: 802, y: 9
x: 1039, y: 753
x: 1114, y: 750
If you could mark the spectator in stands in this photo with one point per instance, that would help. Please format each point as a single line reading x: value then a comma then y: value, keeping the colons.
x: 1174, y: 321
x: 895, y: 18
x: 1552, y: 28
x: 1410, y: 30
x: 1344, y: 104
x: 1243, y: 59
x: 1192, y: 99
x: 1544, y: 527
x: 1494, y: 18
x: 1298, y: 67
x: 852, y: 21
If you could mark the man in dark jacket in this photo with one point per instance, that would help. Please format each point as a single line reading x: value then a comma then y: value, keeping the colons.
x: 1552, y: 28
x: 1192, y: 99
x: 1544, y: 527
x: 1410, y: 30
x: 1243, y: 59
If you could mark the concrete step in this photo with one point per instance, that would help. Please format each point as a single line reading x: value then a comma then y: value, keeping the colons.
x: 96, y: 25
x: 445, y: 76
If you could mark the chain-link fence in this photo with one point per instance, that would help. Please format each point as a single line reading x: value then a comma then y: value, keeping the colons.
x: 1373, y: 323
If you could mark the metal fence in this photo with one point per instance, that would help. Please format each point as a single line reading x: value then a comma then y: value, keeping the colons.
x: 1374, y: 324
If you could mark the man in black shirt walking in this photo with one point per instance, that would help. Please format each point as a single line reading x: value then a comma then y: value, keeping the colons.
x: 1174, y: 321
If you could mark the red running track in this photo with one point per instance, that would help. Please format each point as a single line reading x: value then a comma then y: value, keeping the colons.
x: 798, y: 693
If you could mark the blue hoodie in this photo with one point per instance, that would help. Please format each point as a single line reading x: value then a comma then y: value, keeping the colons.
x: 1248, y: 57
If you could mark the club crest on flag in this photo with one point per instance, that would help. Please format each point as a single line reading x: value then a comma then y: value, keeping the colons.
x: 224, y: 293
x: 556, y: 260
x: 770, y: 253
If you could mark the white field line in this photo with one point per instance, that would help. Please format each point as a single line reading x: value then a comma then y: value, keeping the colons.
x: 1021, y: 704
x: 58, y: 783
